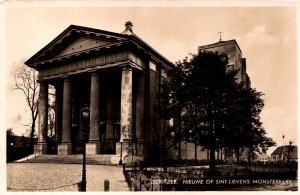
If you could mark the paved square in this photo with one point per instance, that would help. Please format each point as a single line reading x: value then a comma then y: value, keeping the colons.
x: 62, y: 177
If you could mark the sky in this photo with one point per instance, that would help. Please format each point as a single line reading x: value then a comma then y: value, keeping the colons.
x: 266, y: 36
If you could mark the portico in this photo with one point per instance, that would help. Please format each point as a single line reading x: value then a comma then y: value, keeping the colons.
x: 116, y: 74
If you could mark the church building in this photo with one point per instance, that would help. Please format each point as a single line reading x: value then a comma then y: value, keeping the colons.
x: 116, y: 75
x: 235, y: 59
x: 235, y: 62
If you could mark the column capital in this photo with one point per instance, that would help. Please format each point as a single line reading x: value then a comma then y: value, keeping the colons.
x: 126, y: 66
x: 95, y: 72
x: 66, y: 78
x: 130, y: 65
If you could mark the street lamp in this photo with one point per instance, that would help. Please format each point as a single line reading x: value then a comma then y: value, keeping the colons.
x: 12, y: 151
x: 289, y: 151
x: 117, y: 138
x: 85, y: 111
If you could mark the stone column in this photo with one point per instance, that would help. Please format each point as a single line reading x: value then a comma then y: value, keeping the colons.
x: 93, y: 146
x: 110, y: 114
x: 140, y: 105
x: 126, y: 103
x: 58, y: 112
x: 41, y: 147
x: 125, y: 113
x: 65, y: 148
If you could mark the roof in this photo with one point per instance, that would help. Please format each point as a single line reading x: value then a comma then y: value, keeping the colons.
x: 285, y: 150
x: 220, y: 43
x: 263, y: 155
x: 123, y: 38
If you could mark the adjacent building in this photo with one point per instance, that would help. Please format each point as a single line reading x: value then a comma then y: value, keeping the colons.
x: 264, y: 157
x: 235, y: 59
x: 285, y: 153
x: 235, y: 62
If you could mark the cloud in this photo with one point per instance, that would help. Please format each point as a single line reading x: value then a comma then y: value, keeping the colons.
x: 259, y: 33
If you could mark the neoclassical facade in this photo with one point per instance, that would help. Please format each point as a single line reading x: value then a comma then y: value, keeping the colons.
x: 117, y: 75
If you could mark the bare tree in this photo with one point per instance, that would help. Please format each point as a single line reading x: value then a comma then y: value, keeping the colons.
x: 25, y: 80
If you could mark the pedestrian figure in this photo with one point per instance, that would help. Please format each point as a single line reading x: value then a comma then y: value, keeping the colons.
x: 132, y: 184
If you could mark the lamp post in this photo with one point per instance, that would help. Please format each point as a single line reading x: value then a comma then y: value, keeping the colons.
x: 117, y: 138
x: 289, y: 151
x: 12, y: 151
x: 85, y: 111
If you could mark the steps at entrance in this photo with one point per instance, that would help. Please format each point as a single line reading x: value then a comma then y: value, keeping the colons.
x: 75, y: 159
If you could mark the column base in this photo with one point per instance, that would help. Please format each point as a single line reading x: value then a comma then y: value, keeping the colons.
x: 40, y: 148
x: 124, y: 150
x: 93, y: 148
x: 64, y: 149
x: 140, y: 148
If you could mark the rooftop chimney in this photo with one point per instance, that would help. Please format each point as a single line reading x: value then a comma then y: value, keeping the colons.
x: 129, y: 26
x: 128, y: 30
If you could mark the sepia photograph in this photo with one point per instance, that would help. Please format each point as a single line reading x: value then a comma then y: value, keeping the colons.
x: 161, y: 96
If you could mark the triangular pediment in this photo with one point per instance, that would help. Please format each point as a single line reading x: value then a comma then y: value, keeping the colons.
x: 82, y: 41
x: 79, y: 44
x: 74, y: 40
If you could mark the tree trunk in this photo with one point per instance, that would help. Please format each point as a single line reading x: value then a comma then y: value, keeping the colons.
x: 212, y: 143
x: 179, y: 143
x: 195, y: 154
x: 207, y: 154
x: 212, y: 148
x: 250, y: 157
x: 31, y: 146
x: 237, y: 156
x: 179, y: 151
x: 212, y: 156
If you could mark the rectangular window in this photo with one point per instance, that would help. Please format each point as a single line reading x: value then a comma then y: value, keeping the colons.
x: 231, y: 58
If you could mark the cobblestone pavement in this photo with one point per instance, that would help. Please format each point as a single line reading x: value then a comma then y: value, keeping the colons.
x: 62, y: 177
